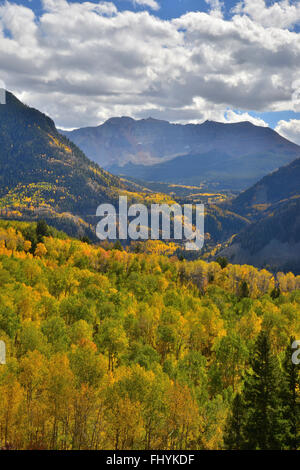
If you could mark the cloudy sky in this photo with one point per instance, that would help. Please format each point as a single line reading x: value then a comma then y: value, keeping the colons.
x: 180, y: 60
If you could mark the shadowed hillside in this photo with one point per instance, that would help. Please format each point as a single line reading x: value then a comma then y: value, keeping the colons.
x: 273, y: 238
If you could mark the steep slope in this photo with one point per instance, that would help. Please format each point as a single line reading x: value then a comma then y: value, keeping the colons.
x: 273, y: 241
x: 273, y: 238
x: 44, y: 174
x: 221, y: 224
x: 280, y: 185
x: 223, y: 155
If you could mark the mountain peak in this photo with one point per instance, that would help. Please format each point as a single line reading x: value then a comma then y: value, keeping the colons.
x: 14, y: 107
x: 152, y: 119
x: 119, y: 120
x: 237, y: 154
x: 40, y: 165
x: 209, y: 122
x: 11, y: 99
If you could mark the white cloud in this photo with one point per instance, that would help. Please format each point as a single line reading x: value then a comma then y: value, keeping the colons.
x: 85, y: 62
x: 216, y: 7
x: 290, y: 130
x: 231, y: 116
x: 281, y: 14
x: 296, y: 96
x: 104, y: 8
x: 147, y: 3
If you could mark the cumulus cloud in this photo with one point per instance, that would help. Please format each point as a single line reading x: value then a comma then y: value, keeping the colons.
x: 281, y: 14
x: 290, y: 130
x: 104, y: 8
x: 232, y: 116
x: 85, y: 62
x: 296, y: 96
x: 216, y: 7
x: 147, y: 3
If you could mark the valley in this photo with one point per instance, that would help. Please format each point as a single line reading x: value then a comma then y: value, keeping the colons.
x: 46, y: 176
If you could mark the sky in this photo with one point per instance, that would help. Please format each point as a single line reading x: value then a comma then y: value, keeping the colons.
x: 83, y: 62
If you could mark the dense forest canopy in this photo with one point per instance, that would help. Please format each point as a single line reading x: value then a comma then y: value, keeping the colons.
x: 112, y: 349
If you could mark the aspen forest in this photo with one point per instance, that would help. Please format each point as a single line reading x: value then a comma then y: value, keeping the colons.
x: 136, y: 349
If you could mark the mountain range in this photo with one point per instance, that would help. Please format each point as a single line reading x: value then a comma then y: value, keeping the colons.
x: 222, y: 156
x: 45, y: 175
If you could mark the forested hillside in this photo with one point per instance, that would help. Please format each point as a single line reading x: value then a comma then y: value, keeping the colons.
x: 44, y: 175
x: 273, y: 205
x: 108, y: 349
x: 273, y: 240
x: 278, y: 186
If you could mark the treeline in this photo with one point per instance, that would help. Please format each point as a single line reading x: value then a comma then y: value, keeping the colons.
x: 109, y: 349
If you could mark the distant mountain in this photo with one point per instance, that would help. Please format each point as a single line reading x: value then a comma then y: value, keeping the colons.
x: 43, y: 174
x: 273, y: 238
x: 224, y: 156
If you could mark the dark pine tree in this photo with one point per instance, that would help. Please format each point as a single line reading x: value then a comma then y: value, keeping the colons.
x: 223, y: 262
x: 243, y: 290
x: 264, y: 423
x: 85, y: 239
x: 291, y: 400
x: 275, y: 293
x: 42, y: 230
x: 233, y: 438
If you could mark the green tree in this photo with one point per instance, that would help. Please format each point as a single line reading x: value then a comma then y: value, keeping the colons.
x: 9, y: 321
x: 112, y: 339
x: 54, y: 328
x: 223, y: 262
x: 233, y: 437
x: 87, y: 366
x: 31, y: 338
x: 291, y: 400
x: 264, y: 420
x: 243, y: 290
x: 231, y: 355
x: 42, y: 230
x: 275, y: 293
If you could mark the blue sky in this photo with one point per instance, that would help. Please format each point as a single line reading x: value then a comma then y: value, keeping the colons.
x: 168, y: 8
x: 216, y: 63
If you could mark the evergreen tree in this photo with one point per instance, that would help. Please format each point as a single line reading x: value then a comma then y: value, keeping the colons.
x: 233, y: 438
x: 42, y: 230
x: 275, y: 293
x: 118, y: 246
x: 291, y: 400
x: 264, y: 418
x: 243, y: 290
x: 85, y: 239
x: 223, y: 262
